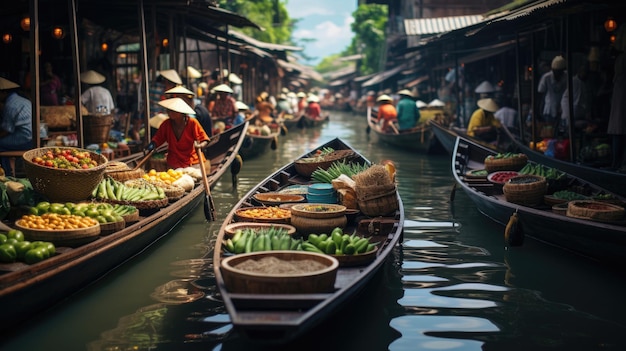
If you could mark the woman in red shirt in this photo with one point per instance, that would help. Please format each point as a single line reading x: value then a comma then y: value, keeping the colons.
x: 181, y: 133
x: 387, y: 114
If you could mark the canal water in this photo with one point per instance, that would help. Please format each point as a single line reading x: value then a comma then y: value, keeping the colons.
x: 452, y: 285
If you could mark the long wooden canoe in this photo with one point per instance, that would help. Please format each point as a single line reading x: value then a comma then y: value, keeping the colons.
x: 420, y: 138
x: 286, y: 316
x: 601, y: 241
x: 309, y: 122
x: 26, y: 290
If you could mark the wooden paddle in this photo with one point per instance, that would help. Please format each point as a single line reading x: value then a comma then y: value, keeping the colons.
x: 369, y: 112
x: 209, y: 207
x: 143, y: 160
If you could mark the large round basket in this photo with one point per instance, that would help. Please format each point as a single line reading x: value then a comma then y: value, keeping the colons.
x: 527, y: 190
x: 357, y: 259
x: 317, y: 218
x: 377, y: 200
x: 111, y: 227
x: 506, y: 164
x: 248, y: 214
x: 302, y: 282
x: 305, y: 168
x: 275, y: 199
x: 595, y: 210
x: 63, y: 185
x: 70, y: 237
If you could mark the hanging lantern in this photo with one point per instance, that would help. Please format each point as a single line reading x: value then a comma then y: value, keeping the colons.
x: 104, y: 47
x: 610, y: 24
x: 58, y: 32
x: 25, y: 23
x: 165, y: 43
x: 612, y: 38
x: 7, y: 38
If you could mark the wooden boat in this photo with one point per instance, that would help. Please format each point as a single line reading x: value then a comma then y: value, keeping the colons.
x: 26, y: 290
x: 286, y: 316
x: 292, y: 121
x: 309, y: 122
x: 604, y: 241
x: 257, y: 144
x: 611, y: 180
x: 447, y: 138
x: 420, y: 138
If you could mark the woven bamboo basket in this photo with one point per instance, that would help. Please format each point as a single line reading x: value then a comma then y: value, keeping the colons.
x: 357, y: 259
x: 141, y: 205
x: 131, y: 217
x: 63, y: 185
x: 506, y: 164
x: 240, y: 216
x: 595, y: 210
x: 97, y: 128
x: 70, y: 237
x: 306, y: 226
x: 121, y: 172
x: 111, y: 227
x: 248, y: 282
x: 377, y: 200
x: 527, y: 190
x: 305, y: 169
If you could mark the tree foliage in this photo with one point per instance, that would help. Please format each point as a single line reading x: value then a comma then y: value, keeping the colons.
x: 369, y: 36
x: 271, y: 15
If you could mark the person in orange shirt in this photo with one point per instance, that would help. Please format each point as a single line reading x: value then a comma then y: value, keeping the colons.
x: 301, y: 102
x: 181, y: 133
x: 313, y: 109
x: 264, y: 108
x: 387, y: 114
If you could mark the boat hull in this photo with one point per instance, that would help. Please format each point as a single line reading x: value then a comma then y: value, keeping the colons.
x: 603, y: 242
x: 279, y: 318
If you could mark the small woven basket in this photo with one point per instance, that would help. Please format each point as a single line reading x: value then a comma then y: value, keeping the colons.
x: 506, y: 164
x: 377, y: 200
x: 158, y: 164
x: 121, y: 172
x: 63, y: 185
x: 527, y: 190
x: 305, y: 169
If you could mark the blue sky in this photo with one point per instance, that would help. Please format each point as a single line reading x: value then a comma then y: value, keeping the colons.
x: 328, y: 21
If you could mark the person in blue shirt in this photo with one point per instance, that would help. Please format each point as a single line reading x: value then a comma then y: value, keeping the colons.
x: 408, y: 113
x: 242, y: 110
x: 16, y: 126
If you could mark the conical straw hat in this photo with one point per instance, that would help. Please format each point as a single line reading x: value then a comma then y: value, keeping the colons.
x: 157, y: 120
x: 234, y: 79
x: 180, y: 90
x: 241, y: 105
x: 223, y: 88
x: 488, y: 105
x: 92, y: 77
x: 171, y: 75
x: 484, y: 87
x: 384, y: 97
x: 436, y: 103
x: 193, y: 73
x: 420, y: 104
x: 405, y: 92
x: 6, y: 84
x: 178, y: 105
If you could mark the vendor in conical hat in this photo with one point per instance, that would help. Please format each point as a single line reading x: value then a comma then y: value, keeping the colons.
x: 408, y: 113
x: 181, y: 132
x: 97, y: 99
x: 202, y: 114
x: 483, y: 124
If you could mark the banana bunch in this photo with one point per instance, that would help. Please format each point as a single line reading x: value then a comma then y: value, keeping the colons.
x: 111, y: 189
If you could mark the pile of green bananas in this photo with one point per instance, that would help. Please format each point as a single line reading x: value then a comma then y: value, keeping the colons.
x: 541, y: 170
x: 338, y: 243
x: 111, y: 189
x: 263, y: 239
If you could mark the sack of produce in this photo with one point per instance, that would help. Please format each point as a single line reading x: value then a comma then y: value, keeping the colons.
x: 376, y: 191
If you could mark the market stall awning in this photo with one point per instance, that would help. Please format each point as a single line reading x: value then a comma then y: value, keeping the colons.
x: 263, y: 45
x: 421, y: 26
x: 383, y: 76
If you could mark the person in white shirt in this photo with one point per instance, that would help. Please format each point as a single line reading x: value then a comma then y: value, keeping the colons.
x: 97, y: 99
